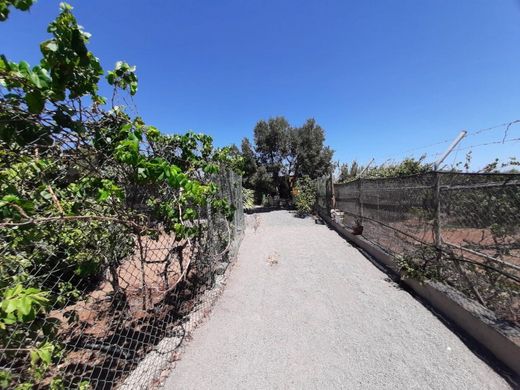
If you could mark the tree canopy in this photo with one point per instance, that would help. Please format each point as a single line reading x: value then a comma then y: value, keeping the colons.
x: 282, y: 153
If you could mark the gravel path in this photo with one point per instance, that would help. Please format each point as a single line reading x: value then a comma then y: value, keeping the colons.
x: 305, y: 310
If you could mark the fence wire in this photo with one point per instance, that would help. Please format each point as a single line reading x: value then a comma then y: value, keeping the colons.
x: 459, y: 228
x: 111, y: 292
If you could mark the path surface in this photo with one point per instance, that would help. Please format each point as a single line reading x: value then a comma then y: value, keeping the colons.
x: 322, y: 317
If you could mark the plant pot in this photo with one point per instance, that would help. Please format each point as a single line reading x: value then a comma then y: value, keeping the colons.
x: 357, y: 230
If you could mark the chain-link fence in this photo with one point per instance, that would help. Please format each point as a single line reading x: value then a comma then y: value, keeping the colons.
x: 323, y: 194
x: 458, y: 228
x: 111, y: 232
x: 92, y: 281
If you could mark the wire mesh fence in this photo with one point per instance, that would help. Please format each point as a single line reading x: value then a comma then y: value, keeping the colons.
x: 458, y: 228
x: 91, y: 282
x: 323, y: 193
x: 110, y: 231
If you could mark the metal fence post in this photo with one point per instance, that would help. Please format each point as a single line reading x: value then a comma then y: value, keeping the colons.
x: 437, y: 165
x: 437, y: 234
x: 332, y: 196
x: 360, y: 200
x: 438, y: 240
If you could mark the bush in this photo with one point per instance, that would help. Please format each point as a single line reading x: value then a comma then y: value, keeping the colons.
x: 248, y: 198
x: 305, y: 194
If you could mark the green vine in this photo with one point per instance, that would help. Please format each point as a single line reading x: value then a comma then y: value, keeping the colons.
x: 82, y: 183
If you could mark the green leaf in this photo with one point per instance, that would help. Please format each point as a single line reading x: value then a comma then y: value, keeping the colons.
x: 24, y: 386
x: 5, y: 379
x: 35, y: 358
x: 35, y: 79
x: 35, y: 102
x: 22, y: 304
x: 25, y: 306
x: 57, y: 384
x: 24, y: 67
x: 10, y: 320
x: 45, y: 352
x: 211, y: 168
x: 84, y: 385
x: 103, y: 195
x: 6, y: 199
x: 141, y: 172
x: 9, y: 306
x: 50, y: 45
x: 111, y: 77
x: 65, y: 6
x: 133, y: 88
x: 23, y: 5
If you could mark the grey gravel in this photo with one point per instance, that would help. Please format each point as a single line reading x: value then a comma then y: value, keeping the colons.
x: 303, y: 309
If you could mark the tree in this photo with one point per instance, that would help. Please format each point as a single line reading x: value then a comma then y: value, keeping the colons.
x: 271, y: 140
x: 249, y: 165
x: 283, y: 153
x: 255, y: 177
x: 313, y: 159
x: 347, y: 173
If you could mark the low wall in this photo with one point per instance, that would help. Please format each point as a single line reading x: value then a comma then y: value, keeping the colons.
x: 469, y: 316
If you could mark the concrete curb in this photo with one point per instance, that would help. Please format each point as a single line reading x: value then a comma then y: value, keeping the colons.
x: 498, y: 344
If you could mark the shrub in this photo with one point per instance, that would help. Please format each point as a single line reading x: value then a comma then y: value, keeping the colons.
x: 305, y: 193
x: 248, y: 198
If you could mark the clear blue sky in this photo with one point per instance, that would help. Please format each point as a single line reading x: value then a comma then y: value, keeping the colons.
x: 381, y: 77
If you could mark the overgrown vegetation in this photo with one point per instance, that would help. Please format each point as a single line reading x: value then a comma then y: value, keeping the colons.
x: 409, y: 166
x: 83, y: 184
x: 413, y: 166
x: 493, y: 285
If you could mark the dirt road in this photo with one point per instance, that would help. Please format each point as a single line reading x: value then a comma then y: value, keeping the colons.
x: 305, y: 310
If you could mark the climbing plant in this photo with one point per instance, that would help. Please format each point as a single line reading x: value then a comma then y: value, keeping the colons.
x: 82, y: 185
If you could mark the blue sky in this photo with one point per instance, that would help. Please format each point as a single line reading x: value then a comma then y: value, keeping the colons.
x: 381, y: 77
